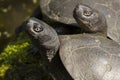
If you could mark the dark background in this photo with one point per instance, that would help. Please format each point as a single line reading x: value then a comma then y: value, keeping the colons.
x: 12, y: 14
x: 18, y: 64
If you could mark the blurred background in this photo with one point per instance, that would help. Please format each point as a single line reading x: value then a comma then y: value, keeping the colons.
x: 12, y: 14
x: 15, y: 61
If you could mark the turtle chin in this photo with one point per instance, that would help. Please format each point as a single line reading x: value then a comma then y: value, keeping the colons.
x: 93, y: 30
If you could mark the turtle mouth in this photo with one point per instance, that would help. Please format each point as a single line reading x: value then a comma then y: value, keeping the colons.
x: 85, y: 22
x: 87, y: 25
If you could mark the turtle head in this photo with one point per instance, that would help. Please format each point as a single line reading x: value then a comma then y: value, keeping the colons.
x: 89, y: 19
x: 39, y: 31
x: 43, y: 37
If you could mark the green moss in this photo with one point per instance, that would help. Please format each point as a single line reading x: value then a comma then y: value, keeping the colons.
x: 14, y: 50
x: 16, y: 63
x: 3, y: 69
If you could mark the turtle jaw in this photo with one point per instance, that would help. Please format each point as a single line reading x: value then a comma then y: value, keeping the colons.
x: 91, y: 27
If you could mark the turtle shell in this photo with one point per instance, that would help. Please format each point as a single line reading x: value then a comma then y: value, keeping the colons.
x: 62, y: 11
x: 90, y: 57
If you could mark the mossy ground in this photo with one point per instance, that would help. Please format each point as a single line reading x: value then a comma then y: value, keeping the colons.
x: 16, y: 63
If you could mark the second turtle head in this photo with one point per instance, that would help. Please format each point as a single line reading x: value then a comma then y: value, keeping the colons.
x: 91, y: 20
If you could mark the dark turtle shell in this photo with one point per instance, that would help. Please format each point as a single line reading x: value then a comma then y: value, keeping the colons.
x: 90, y: 57
x: 62, y: 11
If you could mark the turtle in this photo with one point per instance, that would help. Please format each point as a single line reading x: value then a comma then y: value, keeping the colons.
x: 90, y: 56
x: 61, y: 11
x: 45, y: 39
x: 87, y: 56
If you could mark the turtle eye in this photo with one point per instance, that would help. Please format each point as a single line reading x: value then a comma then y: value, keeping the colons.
x: 87, y: 13
x: 37, y: 27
